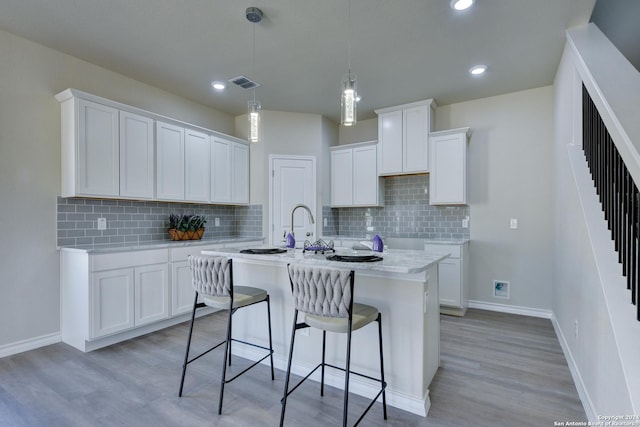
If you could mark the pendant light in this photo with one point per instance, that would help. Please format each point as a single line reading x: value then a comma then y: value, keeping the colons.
x: 254, y: 15
x: 349, y: 94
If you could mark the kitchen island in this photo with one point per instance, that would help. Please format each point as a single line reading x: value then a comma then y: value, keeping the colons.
x: 404, y: 288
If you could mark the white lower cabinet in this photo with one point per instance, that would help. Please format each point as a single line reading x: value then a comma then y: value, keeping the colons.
x: 151, y: 294
x: 127, y: 290
x: 128, y: 297
x: 182, y: 293
x: 452, y: 277
x: 111, y: 302
x: 109, y: 297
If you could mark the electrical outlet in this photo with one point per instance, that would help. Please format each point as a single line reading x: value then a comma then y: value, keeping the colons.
x: 465, y: 222
x: 102, y: 223
x: 325, y: 222
x: 217, y: 222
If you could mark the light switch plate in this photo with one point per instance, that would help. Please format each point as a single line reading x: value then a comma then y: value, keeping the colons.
x: 513, y: 224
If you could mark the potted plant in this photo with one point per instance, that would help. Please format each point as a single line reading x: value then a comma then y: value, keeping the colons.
x: 186, y: 227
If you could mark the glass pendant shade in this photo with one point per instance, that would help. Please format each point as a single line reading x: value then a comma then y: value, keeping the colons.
x: 348, y: 100
x: 254, y: 120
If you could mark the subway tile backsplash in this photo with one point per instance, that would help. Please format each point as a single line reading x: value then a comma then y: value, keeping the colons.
x: 131, y: 222
x: 407, y: 213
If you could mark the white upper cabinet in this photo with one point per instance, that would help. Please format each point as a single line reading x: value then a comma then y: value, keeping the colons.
x: 354, y: 177
x: 403, y: 133
x: 112, y: 150
x: 229, y: 171
x: 221, y: 152
x: 197, y: 148
x: 342, y: 177
x: 240, y: 179
x: 137, y: 175
x: 90, y: 148
x: 169, y: 161
x: 448, y: 164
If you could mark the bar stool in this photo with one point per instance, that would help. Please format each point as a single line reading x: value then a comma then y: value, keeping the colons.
x: 212, y: 277
x: 324, y: 295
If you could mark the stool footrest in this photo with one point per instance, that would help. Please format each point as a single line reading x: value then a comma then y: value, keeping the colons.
x: 382, y: 388
x: 269, y: 353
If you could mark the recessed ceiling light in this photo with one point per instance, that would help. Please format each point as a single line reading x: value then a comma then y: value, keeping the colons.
x: 218, y: 85
x: 478, y: 69
x: 461, y: 4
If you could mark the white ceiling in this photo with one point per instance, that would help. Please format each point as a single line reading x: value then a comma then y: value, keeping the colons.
x: 402, y: 50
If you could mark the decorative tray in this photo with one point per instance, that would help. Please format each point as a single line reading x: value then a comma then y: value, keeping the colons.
x: 319, y: 246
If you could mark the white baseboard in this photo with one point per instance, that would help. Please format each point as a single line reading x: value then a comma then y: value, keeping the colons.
x: 587, y: 404
x: 357, y: 385
x: 512, y: 309
x: 30, y: 344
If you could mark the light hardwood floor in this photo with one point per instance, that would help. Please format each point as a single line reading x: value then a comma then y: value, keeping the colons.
x: 496, y: 370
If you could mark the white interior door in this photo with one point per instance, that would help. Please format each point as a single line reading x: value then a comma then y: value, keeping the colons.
x: 293, y: 181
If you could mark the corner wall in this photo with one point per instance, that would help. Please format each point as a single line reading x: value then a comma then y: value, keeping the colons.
x: 30, y: 76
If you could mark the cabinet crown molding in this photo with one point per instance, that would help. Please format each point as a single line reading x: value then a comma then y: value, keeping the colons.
x: 430, y: 102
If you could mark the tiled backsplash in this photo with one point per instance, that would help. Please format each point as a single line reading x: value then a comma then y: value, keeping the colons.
x: 407, y: 213
x: 138, y: 221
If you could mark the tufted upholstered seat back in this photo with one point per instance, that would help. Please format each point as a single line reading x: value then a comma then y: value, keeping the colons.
x: 321, y: 291
x: 210, y: 276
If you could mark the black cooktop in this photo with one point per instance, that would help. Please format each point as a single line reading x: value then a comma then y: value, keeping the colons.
x: 355, y: 258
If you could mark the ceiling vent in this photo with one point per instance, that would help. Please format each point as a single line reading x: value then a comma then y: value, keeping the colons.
x: 244, y: 82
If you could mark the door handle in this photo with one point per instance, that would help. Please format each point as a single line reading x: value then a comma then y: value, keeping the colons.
x: 309, y: 233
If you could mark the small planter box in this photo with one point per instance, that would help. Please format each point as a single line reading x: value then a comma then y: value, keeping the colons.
x: 186, y: 235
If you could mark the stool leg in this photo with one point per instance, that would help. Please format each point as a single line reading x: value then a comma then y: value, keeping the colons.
x: 346, y: 377
x: 230, y: 328
x: 288, y: 375
x: 324, y: 345
x: 186, y: 354
x: 227, y: 349
x: 384, y: 392
x: 270, y: 342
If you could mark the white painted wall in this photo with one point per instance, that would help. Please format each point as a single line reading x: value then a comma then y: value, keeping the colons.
x: 364, y: 130
x: 291, y: 134
x: 510, y: 176
x: 30, y: 76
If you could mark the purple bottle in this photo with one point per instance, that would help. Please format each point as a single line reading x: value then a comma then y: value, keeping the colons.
x: 291, y: 241
x: 378, y: 246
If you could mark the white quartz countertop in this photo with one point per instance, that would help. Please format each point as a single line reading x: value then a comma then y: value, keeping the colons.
x: 164, y: 244
x: 393, y: 261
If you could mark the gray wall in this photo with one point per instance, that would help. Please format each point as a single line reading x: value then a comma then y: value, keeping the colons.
x: 30, y: 76
x: 618, y: 20
x: 509, y: 157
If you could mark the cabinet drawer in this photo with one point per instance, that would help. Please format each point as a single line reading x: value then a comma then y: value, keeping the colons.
x: 454, y: 251
x: 128, y: 259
